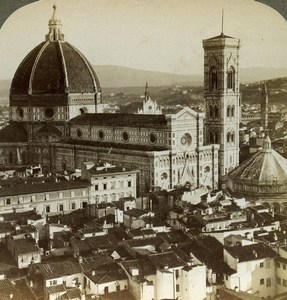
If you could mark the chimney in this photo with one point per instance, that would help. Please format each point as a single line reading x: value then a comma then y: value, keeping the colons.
x: 254, y: 253
x: 80, y: 259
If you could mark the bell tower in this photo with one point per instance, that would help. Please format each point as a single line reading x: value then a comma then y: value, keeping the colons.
x: 222, y: 100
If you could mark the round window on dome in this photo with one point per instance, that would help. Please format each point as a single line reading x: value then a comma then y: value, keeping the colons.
x: 79, y: 133
x: 125, y: 136
x: 152, y: 138
x: 49, y: 113
x: 20, y: 113
x: 101, y: 135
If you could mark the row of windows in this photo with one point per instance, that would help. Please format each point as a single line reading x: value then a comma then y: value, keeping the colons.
x: 213, y: 78
x: 282, y: 282
x: 60, y: 207
x: 268, y: 282
x: 230, y: 137
x: 281, y: 265
x: 125, y: 136
x: 113, y: 185
x: 214, y: 111
x: 230, y: 111
x: 68, y: 194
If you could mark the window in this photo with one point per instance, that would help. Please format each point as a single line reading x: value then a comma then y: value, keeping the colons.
x: 47, y: 209
x: 216, y: 111
x: 60, y: 207
x: 53, y: 282
x: 152, y: 138
x: 211, y: 137
x: 101, y: 135
x: 284, y: 267
x: 73, y: 205
x: 284, y: 281
x: 210, y: 111
x: 96, y: 187
x: 232, y: 111
x: 261, y: 265
x: 72, y: 194
x: 231, y: 78
x: 177, y: 288
x: 129, y: 183
x: 106, y: 289
x: 268, y: 282
x: 228, y: 111
x: 261, y: 281
x: 104, y: 186
x: 278, y: 264
x: 176, y: 274
x: 228, y: 137
x: 279, y: 280
x: 118, y: 287
x: 267, y: 263
x: 8, y: 201
x: 213, y: 78
x: 79, y: 133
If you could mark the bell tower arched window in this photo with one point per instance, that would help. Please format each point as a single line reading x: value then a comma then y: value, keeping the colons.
x: 213, y: 79
x: 232, y: 111
x: 211, y: 111
x: 216, y: 112
x: 231, y: 79
x: 228, y: 111
x: 211, y: 137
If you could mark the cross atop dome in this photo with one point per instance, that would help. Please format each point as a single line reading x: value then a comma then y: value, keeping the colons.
x: 55, y: 25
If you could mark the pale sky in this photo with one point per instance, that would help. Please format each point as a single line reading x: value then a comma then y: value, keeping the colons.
x: 159, y: 35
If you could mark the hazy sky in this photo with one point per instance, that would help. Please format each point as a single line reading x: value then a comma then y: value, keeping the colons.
x: 160, y: 35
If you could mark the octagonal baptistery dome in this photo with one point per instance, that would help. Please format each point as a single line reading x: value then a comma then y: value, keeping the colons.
x: 54, y: 82
x: 261, y: 177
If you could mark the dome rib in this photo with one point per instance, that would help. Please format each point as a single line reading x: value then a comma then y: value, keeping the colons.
x: 30, y: 88
x: 64, y: 67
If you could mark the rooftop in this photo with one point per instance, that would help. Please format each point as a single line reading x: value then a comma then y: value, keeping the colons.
x: 130, y: 120
x: 22, y: 189
x: 251, y: 252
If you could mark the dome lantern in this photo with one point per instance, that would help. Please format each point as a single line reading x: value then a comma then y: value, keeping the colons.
x: 55, y: 25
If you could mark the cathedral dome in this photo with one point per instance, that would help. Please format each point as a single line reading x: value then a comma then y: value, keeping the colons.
x: 262, y: 175
x: 54, y: 67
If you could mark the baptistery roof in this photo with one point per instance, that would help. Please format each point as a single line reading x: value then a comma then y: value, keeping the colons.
x: 266, y: 166
x: 54, y: 67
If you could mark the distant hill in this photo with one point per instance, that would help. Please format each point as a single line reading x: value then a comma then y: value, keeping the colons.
x: 129, y: 80
x: 117, y: 76
x: 249, y: 75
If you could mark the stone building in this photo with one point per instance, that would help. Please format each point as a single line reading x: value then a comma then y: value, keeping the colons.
x: 56, y: 121
x: 261, y: 177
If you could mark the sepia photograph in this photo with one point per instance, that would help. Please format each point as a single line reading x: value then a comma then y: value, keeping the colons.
x: 143, y: 150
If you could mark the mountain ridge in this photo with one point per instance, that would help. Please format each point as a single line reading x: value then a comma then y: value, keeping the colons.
x: 112, y: 76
